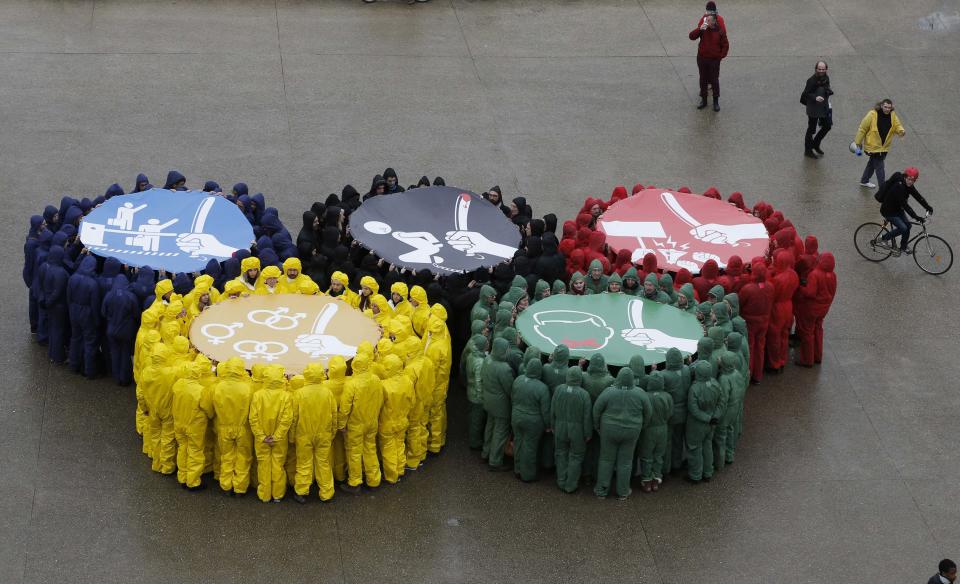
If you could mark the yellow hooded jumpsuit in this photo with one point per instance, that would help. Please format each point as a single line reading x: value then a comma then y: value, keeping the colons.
x: 398, y: 400
x: 192, y: 408
x: 336, y: 379
x: 231, y: 404
x: 359, y: 415
x: 270, y: 417
x: 315, y: 420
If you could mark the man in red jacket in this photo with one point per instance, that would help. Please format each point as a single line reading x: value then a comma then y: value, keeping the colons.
x: 756, y: 302
x: 713, y: 47
x: 785, y: 282
x: 818, y: 292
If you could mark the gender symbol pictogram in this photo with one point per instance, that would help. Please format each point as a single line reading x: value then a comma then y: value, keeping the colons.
x: 267, y: 350
x: 230, y: 329
x: 278, y: 319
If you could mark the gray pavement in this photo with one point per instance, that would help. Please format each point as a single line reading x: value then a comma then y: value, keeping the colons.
x: 847, y: 472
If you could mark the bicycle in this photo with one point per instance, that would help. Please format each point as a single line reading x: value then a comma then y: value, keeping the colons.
x: 932, y: 253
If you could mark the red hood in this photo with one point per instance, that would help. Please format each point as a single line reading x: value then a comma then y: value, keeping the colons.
x: 804, y: 265
x: 577, y: 260
x: 597, y: 239
x: 650, y: 263
x: 811, y: 245
x: 734, y: 266
x: 569, y: 230
x: 623, y: 259
x: 827, y: 262
x: 584, y: 218
x: 783, y: 260
x: 684, y: 189
x: 785, y: 237
x: 583, y: 237
x: 758, y: 270
x: 771, y: 224
x: 566, y: 247
x: 710, y: 270
x: 683, y: 277
x: 737, y: 199
x: 619, y: 193
x: 713, y: 193
x: 637, y: 188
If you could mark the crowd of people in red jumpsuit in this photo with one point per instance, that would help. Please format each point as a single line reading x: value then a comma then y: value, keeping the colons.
x: 790, y: 288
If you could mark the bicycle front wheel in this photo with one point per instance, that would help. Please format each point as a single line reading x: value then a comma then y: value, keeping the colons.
x: 933, y: 254
x: 867, y: 241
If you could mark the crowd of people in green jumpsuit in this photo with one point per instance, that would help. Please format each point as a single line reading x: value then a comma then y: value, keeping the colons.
x: 589, y: 424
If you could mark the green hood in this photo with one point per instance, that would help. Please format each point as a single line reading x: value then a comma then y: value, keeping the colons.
x: 650, y: 279
x: 577, y: 277
x: 614, y: 277
x: 519, y: 282
x: 533, y: 370
x: 531, y: 354
x: 509, y: 334
x: 558, y: 288
x: 727, y: 362
x: 716, y: 292
x: 488, y: 294
x: 722, y: 312
x: 499, y: 351
x: 560, y: 355
x: 638, y: 366
x: 574, y: 377
x: 687, y: 290
x: 514, y: 294
x: 542, y: 286
x: 595, y: 264
x: 655, y: 382
x: 479, y: 313
x: 703, y: 371
x: 704, y: 349
x: 477, y: 327
x: 625, y: 378
x: 716, y: 335
x: 734, y: 340
x: 704, y: 308
x: 674, y: 359
x: 733, y: 302
x: 597, y: 366
x: 479, y: 343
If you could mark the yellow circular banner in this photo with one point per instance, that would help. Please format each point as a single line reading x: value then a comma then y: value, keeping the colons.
x: 285, y: 329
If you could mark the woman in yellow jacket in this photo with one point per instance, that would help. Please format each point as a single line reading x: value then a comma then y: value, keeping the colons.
x: 315, y: 424
x: 359, y: 416
x: 421, y: 310
x: 874, y: 137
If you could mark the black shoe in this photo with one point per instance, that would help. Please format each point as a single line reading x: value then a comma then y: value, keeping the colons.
x: 703, y: 102
x: 716, y: 104
x: 810, y: 154
x: 500, y: 468
x: 299, y: 498
x: 691, y: 481
x: 199, y: 487
x: 706, y: 479
x: 349, y: 489
x: 817, y: 150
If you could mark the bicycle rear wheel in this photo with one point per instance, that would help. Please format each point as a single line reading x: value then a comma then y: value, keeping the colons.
x: 867, y: 241
x: 933, y: 254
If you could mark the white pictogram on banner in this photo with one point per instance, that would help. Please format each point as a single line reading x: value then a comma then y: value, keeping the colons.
x: 277, y: 319
x: 266, y: 350
x: 229, y: 330
x: 316, y: 343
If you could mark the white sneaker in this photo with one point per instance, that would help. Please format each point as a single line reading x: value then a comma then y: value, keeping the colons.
x: 868, y: 185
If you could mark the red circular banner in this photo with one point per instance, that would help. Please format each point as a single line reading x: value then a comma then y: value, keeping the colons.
x: 682, y: 229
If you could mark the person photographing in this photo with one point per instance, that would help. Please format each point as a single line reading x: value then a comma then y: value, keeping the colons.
x: 713, y: 48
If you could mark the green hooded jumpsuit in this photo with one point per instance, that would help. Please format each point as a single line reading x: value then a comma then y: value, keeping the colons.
x: 704, y: 408
x: 618, y: 414
x: 572, y: 427
x: 477, y: 415
x: 687, y: 291
x: 596, y: 380
x: 721, y: 316
x: 496, y: 378
x: 530, y: 417
x: 705, y: 353
x: 731, y: 391
x: 666, y: 286
x: 554, y: 375
x: 654, y: 437
x: 539, y: 290
x: 676, y: 382
x: 634, y: 289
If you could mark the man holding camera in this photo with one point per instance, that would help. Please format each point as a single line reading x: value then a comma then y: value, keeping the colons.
x: 712, y: 49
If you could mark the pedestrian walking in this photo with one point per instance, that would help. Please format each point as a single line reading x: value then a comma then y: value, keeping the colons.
x: 874, y: 138
x: 816, y: 96
x: 712, y: 49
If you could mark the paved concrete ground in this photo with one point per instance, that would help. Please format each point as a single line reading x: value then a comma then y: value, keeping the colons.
x: 846, y: 473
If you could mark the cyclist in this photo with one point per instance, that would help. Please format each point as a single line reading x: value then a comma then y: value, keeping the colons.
x: 893, y: 198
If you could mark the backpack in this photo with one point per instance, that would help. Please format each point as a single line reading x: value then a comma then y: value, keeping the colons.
x: 881, y: 193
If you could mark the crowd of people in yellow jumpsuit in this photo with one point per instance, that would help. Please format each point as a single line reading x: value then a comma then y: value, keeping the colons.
x: 372, y: 420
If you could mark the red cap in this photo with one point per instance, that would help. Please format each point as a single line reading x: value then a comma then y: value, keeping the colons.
x: 912, y: 172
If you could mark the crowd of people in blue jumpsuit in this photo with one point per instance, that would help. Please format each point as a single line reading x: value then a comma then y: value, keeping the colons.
x: 581, y: 420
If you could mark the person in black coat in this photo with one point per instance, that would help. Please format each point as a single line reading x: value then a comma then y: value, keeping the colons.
x: 946, y: 573
x: 816, y: 96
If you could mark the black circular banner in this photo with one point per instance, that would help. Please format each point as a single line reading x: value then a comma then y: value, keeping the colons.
x: 441, y: 229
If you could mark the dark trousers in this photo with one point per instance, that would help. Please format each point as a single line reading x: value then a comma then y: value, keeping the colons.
x: 811, y: 141
x: 875, y: 164
x: 900, y: 227
x: 709, y: 75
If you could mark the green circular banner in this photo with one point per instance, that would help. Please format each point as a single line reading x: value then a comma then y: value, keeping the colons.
x: 614, y: 325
